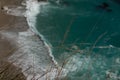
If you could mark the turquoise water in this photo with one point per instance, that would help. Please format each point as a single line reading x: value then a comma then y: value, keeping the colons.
x: 79, y: 28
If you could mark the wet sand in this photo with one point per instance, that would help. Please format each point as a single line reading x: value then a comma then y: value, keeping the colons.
x: 10, y: 53
x: 8, y: 71
x: 9, y: 23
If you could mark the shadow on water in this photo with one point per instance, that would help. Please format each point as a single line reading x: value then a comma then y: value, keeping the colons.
x: 116, y: 1
x: 104, y: 6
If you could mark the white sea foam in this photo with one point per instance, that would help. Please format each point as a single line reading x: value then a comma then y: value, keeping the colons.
x: 74, y: 63
x: 15, y: 10
x: 31, y: 54
x: 34, y: 54
x: 33, y: 9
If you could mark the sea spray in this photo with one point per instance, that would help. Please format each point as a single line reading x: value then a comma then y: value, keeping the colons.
x: 33, y: 9
x: 29, y: 55
x: 30, y: 47
x: 30, y: 51
x: 100, y: 60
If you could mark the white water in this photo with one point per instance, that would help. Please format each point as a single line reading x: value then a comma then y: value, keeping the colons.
x: 35, y: 55
x: 33, y: 9
x: 31, y: 53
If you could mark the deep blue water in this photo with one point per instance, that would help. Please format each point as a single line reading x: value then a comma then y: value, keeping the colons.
x: 81, y: 24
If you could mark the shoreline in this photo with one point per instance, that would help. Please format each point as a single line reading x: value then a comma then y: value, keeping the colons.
x: 31, y: 19
x: 11, y: 30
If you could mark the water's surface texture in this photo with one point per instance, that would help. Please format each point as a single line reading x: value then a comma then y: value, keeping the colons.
x: 90, y: 33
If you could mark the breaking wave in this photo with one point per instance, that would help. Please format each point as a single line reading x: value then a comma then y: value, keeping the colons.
x: 33, y: 9
x: 79, y: 63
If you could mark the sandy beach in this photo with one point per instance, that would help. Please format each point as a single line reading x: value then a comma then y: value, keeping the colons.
x: 8, y: 71
x: 16, y: 43
x: 9, y: 23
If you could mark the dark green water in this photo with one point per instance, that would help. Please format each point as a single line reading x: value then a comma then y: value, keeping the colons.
x: 81, y: 24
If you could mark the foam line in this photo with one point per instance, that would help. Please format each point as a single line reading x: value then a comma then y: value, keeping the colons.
x: 33, y: 9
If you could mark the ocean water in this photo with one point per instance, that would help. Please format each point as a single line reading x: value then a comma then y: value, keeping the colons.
x: 87, y: 36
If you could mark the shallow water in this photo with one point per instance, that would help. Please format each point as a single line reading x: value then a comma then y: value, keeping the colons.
x: 86, y: 33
